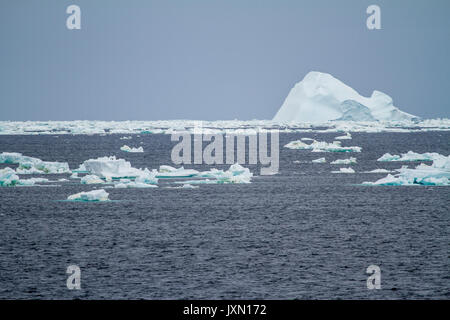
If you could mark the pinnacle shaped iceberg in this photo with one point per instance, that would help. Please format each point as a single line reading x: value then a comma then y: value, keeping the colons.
x: 320, y: 97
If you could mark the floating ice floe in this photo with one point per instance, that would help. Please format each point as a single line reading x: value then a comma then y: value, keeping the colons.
x: 344, y: 170
x: 235, y: 174
x: 351, y: 160
x: 320, y: 160
x: 436, y: 174
x: 184, y: 186
x: 110, y: 168
x: 30, y: 165
x: 346, y: 137
x: 126, y: 138
x: 91, y: 179
x: 9, y: 178
x: 94, y: 195
x: 378, y: 171
x: 171, y: 172
x: 321, y: 146
x: 130, y: 149
x: 126, y: 183
x: 410, y: 156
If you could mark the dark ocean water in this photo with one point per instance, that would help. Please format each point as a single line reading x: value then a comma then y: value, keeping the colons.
x: 305, y: 233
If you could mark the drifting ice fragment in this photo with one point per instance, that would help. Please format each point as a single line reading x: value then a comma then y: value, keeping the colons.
x: 171, y: 172
x: 320, y: 160
x: 436, y: 174
x: 410, y: 156
x: 9, y: 178
x: 30, y: 165
x: 94, y: 195
x: 346, y: 137
x: 344, y: 170
x: 351, y: 160
x: 133, y: 150
x: 321, y: 146
x: 91, y: 179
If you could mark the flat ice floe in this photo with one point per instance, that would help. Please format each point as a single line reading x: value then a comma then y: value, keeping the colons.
x: 94, y: 195
x: 235, y: 174
x: 351, y: 160
x: 320, y: 160
x: 130, y: 149
x: 348, y: 136
x: 9, y: 178
x: 184, y: 186
x: 321, y: 146
x: 31, y: 165
x: 436, y: 174
x: 91, y: 179
x: 171, y: 172
x: 344, y: 170
x: 410, y: 156
x: 126, y: 183
x: 378, y: 171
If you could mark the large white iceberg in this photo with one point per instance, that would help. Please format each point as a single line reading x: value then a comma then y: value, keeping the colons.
x: 94, y: 195
x: 436, y: 174
x: 31, y: 165
x: 320, y: 97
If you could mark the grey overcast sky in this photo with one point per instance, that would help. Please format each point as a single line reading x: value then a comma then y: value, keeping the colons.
x: 214, y: 59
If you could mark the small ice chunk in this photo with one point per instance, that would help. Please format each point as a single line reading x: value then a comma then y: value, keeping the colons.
x: 91, y: 179
x: 344, y: 170
x: 130, y: 149
x: 351, y: 160
x: 94, y: 195
x: 320, y: 160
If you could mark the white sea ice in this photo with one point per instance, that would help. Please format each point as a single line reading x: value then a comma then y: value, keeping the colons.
x: 9, y: 178
x: 94, y: 195
x: 320, y: 160
x: 346, y: 137
x: 235, y: 174
x: 31, y: 165
x: 171, y: 172
x: 320, y: 97
x: 91, y: 179
x: 344, y: 170
x: 410, y: 156
x: 351, y: 160
x: 378, y: 171
x: 130, y: 149
x: 321, y: 146
x: 126, y: 183
x: 111, y: 168
x: 438, y: 173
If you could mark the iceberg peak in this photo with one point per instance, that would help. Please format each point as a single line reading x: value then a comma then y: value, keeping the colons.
x: 320, y: 97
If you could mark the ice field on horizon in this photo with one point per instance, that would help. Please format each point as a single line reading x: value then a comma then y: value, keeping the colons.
x: 238, y: 127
